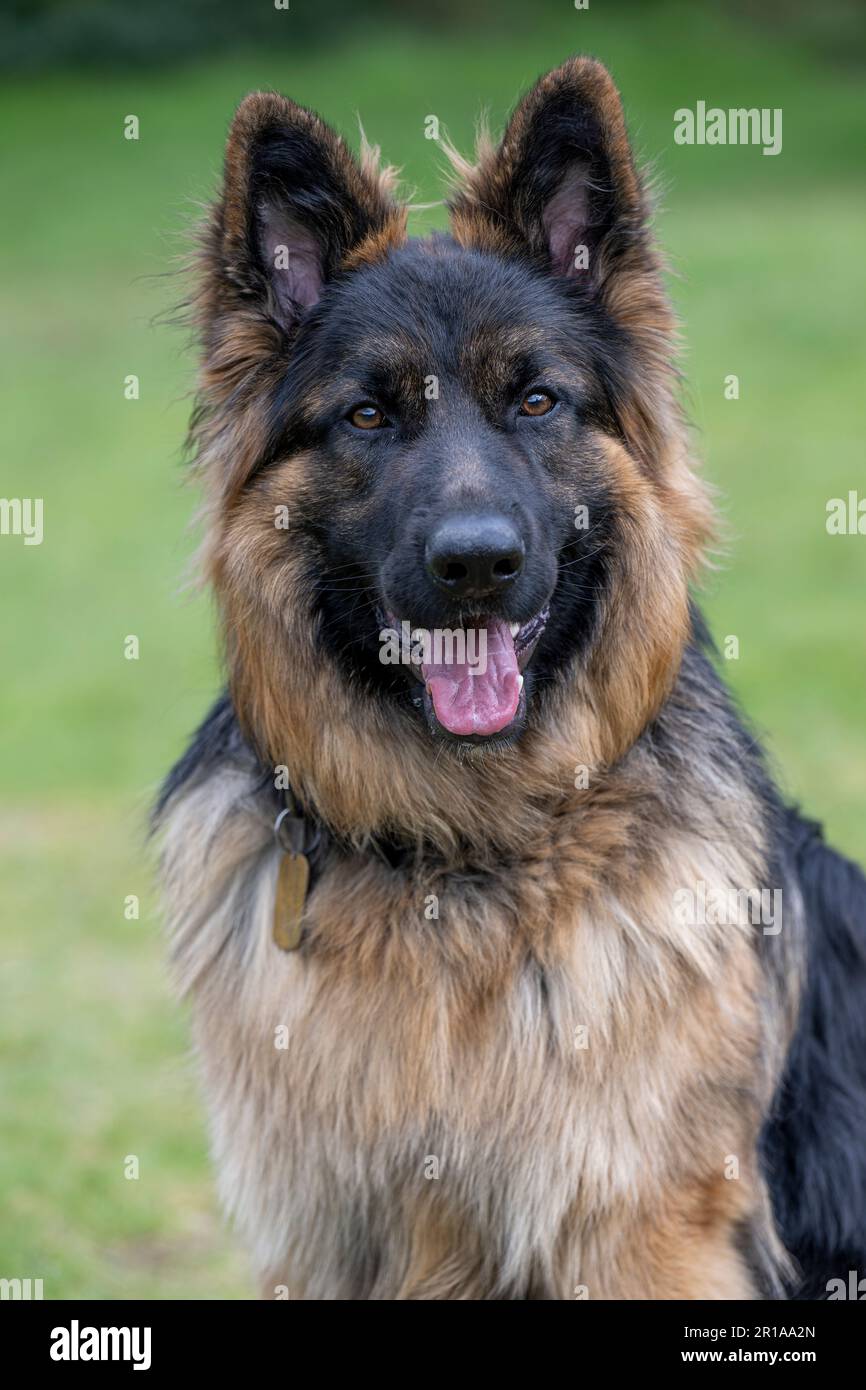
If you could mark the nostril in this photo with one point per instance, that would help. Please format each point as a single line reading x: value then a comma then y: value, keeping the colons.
x: 454, y: 571
x: 508, y: 566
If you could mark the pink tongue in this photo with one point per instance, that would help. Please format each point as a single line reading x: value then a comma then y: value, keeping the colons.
x: 478, y: 696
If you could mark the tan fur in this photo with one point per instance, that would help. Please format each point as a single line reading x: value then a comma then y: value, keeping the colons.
x: 376, y: 246
x: 302, y: 716
x: 411, y: 1039
x: 452, y: 1042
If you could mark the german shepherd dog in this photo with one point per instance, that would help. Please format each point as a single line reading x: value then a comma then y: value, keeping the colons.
x: 511, y: 978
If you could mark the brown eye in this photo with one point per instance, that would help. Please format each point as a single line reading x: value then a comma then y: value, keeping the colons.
x: 536, y: 403
x: 367, y: 417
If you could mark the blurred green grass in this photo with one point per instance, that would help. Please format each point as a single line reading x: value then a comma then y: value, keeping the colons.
x: 769, y: 283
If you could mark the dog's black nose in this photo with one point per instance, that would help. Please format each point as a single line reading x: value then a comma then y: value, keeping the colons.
x: 472, y: 556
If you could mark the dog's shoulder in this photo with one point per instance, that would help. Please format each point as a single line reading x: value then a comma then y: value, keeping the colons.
x: 813, y: 1142
x: 216, y: 745
x: 213, y: 821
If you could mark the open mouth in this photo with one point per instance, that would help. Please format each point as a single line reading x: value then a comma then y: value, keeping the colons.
x: 472, y: 675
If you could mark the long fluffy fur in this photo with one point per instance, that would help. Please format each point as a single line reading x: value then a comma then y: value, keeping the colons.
x: 550, y: 1085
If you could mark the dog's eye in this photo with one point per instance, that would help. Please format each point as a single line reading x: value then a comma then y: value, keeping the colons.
x: 367, y: 417
x: 536, y: 403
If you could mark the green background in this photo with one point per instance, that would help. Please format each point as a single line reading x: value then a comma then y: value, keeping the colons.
x: 768, y: 256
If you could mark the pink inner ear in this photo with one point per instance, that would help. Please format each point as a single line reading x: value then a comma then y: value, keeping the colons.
x: 566, y: 220
x: 293, y: 260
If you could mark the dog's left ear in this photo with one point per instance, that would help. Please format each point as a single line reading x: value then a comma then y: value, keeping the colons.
x: 561, y: 186
x: 561, y: 191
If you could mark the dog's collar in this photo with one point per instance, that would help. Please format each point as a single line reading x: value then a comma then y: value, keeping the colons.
x: 306, y: 841
x: 301, y: 830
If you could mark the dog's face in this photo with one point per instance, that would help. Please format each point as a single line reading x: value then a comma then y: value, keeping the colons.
x: 451, y: 400
x: 448, y: 471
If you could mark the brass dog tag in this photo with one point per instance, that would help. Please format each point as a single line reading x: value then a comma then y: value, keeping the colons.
x: 292, y: 880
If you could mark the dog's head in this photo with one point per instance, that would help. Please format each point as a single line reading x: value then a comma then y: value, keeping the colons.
x: 450, y: 502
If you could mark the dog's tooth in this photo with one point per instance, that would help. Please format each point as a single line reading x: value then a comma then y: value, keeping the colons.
x: 519, y: 683
x: 514, y: 628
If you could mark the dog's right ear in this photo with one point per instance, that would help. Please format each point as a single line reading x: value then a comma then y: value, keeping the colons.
x: 295, y: 205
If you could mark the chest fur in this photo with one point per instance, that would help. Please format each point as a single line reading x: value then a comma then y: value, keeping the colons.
x: 506, y: 1056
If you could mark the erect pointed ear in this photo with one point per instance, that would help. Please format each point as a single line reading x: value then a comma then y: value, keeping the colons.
x: 562, y: 185
x: 296, y: 206
x: 562, y: 191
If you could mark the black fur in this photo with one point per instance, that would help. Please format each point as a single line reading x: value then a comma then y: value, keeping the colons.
x: 814, y: 1144
x: 467, y: 320
x: 216, y: 742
